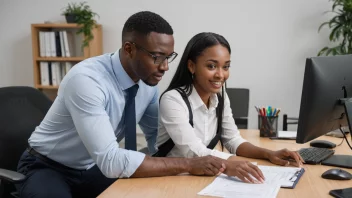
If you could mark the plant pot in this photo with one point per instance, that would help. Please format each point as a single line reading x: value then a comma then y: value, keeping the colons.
x: 70, y: 18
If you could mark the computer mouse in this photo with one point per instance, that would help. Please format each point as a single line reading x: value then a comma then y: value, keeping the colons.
x: 337, y: 174
x: 322, y: 144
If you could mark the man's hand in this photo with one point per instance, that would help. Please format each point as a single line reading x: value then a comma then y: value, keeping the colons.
x: 245, y: 171
x: 285, y: 157
x: 208, y: 165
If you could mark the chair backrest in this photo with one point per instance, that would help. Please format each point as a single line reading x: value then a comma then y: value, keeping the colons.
x: 286, y: 121
x: 21, y: 110
x: 239, y: 102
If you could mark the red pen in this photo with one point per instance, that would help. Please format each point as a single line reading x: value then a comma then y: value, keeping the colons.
x: 263, y: 111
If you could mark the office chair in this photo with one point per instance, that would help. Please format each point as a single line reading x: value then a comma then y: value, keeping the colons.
x: 21, y: 110
x: 286, y: 122
x: 239, y: 102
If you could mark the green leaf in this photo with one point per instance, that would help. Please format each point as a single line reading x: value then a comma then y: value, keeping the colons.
x: 334, y: 21
x: 322, y: 25
x: 328, y: 51
x: 334, y: 35
x: 85, y: 17
x: 322, y: 51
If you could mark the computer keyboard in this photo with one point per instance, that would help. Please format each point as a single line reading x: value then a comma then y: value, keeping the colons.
x: 315, y: 155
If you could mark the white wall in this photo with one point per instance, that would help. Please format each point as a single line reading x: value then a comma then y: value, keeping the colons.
x: 270, y: 39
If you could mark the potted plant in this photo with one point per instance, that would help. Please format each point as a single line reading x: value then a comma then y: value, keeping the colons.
x: 341, y: 29
x: 81, y: 14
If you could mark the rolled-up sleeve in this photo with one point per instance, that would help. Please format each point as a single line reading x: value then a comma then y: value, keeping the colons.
x: 149, y: 123
x: 85, y: 99
x: 231, y: 135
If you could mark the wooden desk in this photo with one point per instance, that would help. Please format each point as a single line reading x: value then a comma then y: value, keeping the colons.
x: 310, y: 185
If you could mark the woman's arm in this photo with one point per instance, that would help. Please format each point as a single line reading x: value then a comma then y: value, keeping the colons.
x: 247, y: 149
x: 283, y: 157
x: 237, y: 145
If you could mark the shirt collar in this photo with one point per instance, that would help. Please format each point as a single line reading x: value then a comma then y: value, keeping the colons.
x: 122, y: 77
x: 197, y: 102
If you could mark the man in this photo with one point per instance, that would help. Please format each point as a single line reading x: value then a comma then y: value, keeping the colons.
x: 75, y: 150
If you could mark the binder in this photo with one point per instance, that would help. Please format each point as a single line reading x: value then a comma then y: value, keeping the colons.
x: 286, y: 177
x: 42, y: 51
x: 296, y: 178
x: 44, y: 73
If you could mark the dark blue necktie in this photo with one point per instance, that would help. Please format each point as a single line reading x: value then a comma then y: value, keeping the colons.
x: 130, y: 119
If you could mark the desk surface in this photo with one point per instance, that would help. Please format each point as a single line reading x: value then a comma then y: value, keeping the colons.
x: 310, y: 185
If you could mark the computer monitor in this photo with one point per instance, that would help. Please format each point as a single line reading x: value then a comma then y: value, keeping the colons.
x: 327, y: 86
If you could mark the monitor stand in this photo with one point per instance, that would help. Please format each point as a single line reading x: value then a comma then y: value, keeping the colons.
x: 344, y: 161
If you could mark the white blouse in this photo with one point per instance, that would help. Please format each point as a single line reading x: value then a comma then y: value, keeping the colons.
x: 189, y: 141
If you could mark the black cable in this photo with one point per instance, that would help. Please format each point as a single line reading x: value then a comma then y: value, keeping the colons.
x: 344, y: 135
x: 341, y: 141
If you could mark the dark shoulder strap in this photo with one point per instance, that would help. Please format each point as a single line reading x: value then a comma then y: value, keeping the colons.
x: 219, y: 113
x: 166, y: 147
x: 219, y: 110
x: 185, y: 98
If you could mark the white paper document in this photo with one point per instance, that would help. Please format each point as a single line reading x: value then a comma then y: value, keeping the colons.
x: 287, y: 134
x: 275, y: 177
x: 224, y: 186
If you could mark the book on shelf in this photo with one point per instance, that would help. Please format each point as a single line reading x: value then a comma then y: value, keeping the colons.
x: 56, y: 48
x: 58, y: 43
x: 52, y: 73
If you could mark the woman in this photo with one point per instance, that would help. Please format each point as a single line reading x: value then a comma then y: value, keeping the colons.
x: 200, y: 76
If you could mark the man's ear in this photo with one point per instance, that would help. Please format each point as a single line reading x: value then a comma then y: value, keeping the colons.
x: 191, y: 66
x: 128, y: 49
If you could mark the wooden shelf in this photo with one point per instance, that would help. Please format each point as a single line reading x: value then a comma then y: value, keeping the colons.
x: 56, y: 25
x: 60, y: 59
x: 59, y: 25
x: 46, y: 87
x: 95, y: 48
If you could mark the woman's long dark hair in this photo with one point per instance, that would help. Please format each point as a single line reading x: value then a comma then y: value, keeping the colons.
x: 194, y: 48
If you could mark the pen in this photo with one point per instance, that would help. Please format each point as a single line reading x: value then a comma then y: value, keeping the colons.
x: 268, y: 109
x: 264, y: 111
x: 257, y: 109
x: 261, y: 112
x: 274, y: 112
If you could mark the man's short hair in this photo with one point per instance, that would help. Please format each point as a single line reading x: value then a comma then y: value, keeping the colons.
x: 146, y: 22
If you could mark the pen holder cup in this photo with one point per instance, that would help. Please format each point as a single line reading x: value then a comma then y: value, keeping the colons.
x: 268, y: 125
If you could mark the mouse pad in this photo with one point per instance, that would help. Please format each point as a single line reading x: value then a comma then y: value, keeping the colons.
x: 344, y: 161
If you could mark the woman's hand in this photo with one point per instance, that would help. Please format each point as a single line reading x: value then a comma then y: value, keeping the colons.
x: 285, y: 157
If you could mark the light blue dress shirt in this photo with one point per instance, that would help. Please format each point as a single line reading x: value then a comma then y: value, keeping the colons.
x: 85, y: 123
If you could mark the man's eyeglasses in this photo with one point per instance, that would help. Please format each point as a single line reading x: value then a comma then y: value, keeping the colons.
x: 160, y: 58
